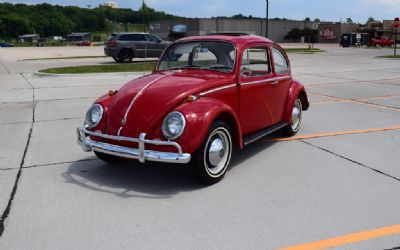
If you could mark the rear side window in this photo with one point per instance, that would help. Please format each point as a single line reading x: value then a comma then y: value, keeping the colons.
x: 280, y: 63
x: 151, y: 38
x: 132, y: 37
x: 255, y: 62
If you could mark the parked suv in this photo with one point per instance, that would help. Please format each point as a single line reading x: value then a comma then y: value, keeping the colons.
x: 123, y: 47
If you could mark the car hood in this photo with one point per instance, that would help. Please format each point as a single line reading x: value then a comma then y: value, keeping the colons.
x: 141, y: 105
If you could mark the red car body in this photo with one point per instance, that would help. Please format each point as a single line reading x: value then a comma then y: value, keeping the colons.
x: 250, y: 107
x: 382, y: 41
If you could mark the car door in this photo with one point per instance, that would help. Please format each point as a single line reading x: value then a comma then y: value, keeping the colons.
x: 255, y: 79
x: 279, y: 88
x: 154, y: 46
x: 136, y: 42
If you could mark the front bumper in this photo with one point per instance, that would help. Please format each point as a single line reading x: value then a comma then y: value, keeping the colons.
x: 140, y: 153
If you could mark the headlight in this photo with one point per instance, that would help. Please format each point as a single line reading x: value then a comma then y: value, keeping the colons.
x: 94, y: 115
x: 173, y: 125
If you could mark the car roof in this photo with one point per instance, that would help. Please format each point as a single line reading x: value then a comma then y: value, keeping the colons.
x: 239, y: 39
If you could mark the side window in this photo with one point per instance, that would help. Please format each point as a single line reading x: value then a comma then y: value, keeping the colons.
x: 132, y: 37
x: 255, y: 62
x: 280, y: 63
x: 152, y: 39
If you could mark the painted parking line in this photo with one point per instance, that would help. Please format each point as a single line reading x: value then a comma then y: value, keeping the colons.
x: 352, y: 132
x: 347, y: 239
x: 358, y: 101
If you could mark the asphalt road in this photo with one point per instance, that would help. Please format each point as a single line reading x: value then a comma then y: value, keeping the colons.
x: 339, y: 177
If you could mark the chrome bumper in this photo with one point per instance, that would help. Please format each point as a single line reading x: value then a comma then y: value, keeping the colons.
x: 132, y: 153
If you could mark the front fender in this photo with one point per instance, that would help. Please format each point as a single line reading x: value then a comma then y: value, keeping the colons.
x: 296, y: 90
x: 199, y: 117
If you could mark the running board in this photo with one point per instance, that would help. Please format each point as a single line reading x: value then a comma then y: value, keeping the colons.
x: 261, y: 133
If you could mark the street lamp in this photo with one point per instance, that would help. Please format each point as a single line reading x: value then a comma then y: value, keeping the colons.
x: 266, y: 23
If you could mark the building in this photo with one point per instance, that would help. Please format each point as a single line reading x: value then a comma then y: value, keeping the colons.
x: 29, y: 38
x: 329, y: 32
x: 277, y: 29
x: 112, y: 5
x: 77, y: 37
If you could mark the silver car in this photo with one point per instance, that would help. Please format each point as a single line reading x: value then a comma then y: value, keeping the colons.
x: 123, y: 47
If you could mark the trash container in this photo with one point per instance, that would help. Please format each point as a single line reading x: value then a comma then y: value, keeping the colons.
x: 345, y: 40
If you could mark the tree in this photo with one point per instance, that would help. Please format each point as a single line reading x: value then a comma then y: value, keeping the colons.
x: 349, y: 20
x: 16, y: 26
x: 294, y: 34
x: 370, y: 19
x: 317, y: 20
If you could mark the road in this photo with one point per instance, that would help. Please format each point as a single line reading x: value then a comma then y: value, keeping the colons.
x: 339, y: 177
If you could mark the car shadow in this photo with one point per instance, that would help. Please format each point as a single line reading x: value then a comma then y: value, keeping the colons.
x: 129, y: 179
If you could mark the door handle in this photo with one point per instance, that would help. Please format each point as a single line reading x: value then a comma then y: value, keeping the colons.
x: 274, y: 82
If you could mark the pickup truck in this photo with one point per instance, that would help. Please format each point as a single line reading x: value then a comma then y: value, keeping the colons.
x: 381, y: 41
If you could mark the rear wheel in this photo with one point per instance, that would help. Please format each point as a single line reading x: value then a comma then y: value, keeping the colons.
x: 125, y: 56
x: 212, y: 158
x: 107, y: 157
x: 294, y: 126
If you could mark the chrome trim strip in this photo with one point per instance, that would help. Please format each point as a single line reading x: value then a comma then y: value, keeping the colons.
x: 217, y: 89
x: 132, y: 153
x: 137, y: 96
x: 264, y: 134
x: 267, y: 80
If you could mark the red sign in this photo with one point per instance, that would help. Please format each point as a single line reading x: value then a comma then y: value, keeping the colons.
x: 328, y: 34
x: 396, y: 22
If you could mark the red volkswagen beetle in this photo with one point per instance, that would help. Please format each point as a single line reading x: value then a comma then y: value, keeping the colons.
x: 205, y: 95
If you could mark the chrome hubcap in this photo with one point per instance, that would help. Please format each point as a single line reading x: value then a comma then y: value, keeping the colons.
x: 218, y: 152
x: 296, y: 115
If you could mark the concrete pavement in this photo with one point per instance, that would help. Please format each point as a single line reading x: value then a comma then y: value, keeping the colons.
x: 339, y: 176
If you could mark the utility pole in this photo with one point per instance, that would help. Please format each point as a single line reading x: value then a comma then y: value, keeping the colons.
x: 143, y: 14
x: 396, y: 25
x: 267, y: 19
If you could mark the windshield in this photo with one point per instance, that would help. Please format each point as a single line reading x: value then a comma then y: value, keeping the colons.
x: 211, y: 55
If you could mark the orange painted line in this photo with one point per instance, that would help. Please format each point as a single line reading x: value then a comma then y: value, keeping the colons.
x: 353, y: 132
x: 347, y: 239
x: 360, y: 102
x: 379, y: 97
x: 350, y: 82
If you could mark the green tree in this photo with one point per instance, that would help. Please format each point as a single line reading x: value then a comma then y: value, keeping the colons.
x: 16, y: 26
x: 294, y: 34
x: 370, y: 19
x: 349, y: 20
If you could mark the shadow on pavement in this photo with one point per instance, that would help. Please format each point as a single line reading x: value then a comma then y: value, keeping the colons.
x: 151, y: 180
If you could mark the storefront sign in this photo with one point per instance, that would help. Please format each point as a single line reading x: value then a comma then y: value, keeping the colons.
x: 328, y: 34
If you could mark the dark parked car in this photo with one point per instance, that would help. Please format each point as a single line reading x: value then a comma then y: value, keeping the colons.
x: 6, y: 45
x: 123, y: 47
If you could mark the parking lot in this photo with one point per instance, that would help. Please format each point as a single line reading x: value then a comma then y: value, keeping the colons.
x: 339, y: 177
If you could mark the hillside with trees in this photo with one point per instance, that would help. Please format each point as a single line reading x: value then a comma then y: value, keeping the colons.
x: 54, y: 20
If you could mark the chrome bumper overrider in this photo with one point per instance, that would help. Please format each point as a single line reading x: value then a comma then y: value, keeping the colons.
x: 140, y: 153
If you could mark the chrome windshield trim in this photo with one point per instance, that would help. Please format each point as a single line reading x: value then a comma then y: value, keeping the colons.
x: 217, y: 89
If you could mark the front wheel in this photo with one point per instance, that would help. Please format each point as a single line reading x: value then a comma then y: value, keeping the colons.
x: 212, y: 158
x: 294, y: 126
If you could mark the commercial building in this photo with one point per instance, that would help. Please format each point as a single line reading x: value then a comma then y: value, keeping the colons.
x: 77, y: 37
x: 277, y: 28
x: 329, y: 32
x: 29, y: 38
x: 112, y: 5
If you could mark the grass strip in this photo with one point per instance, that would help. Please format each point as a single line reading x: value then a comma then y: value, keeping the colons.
x: 109, y: 68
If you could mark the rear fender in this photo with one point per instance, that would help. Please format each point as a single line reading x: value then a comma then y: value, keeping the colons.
x: 296, y: 90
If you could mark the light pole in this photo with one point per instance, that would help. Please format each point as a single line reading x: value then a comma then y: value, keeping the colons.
x: 266, y: 23
x: 144, y: 18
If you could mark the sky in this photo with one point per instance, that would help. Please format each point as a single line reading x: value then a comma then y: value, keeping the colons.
x: 325, y: 10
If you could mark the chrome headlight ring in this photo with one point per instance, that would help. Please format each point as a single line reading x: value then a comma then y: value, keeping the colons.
x: 173, y: 125
x: 94, y: 115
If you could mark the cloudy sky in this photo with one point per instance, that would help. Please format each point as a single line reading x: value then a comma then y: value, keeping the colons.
x: 326, y: 10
